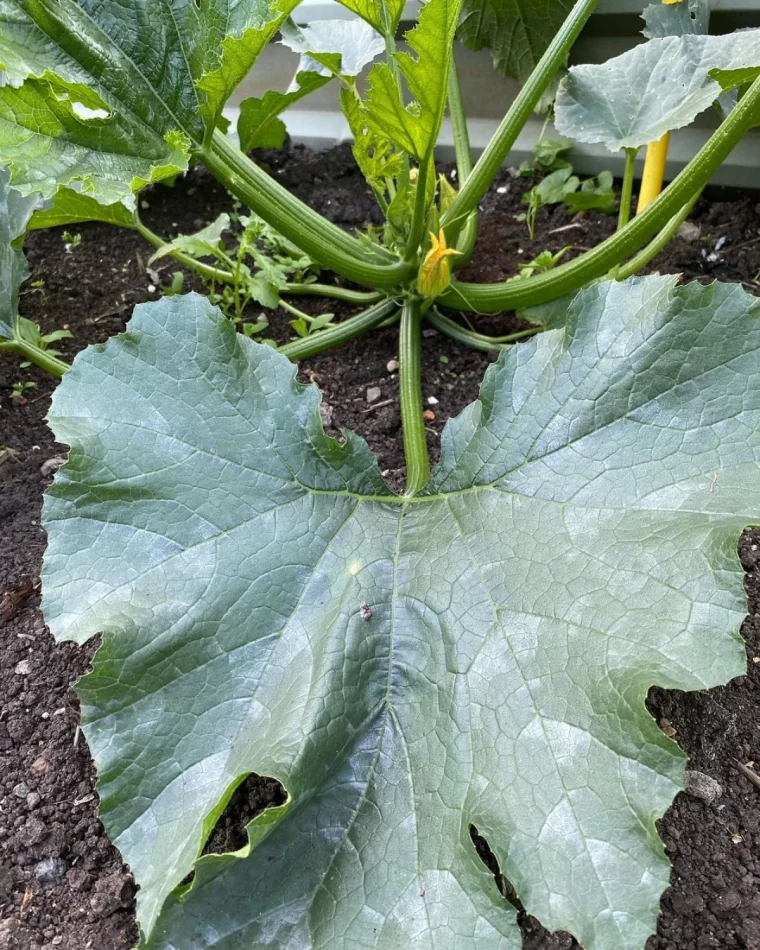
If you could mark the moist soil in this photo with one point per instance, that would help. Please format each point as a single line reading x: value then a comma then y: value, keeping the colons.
x: 62, y: 882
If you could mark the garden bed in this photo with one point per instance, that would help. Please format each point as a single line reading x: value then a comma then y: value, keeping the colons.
x: 62, y: 884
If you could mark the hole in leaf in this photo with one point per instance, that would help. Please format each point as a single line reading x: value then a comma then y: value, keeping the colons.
x: 249, y: 799
x: 489, y: 859
x: 535, y: 936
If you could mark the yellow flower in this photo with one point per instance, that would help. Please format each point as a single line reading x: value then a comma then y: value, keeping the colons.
x: 435, y: 274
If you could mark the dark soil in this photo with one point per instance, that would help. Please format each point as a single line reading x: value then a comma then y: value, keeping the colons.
x: 62, y: 883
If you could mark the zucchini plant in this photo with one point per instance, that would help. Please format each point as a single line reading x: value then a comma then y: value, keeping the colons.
x: 474, y: 652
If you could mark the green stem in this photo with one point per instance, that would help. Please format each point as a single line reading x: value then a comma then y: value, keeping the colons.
x: 296, y: 312
x: 34, y: 354
x: 570, y: 277
x: 477, y: 341
x: 463, y: 151
x: 410, y: 383
x: 519, y: 113
x: 342, y: 333
x: 204, y: 270
x: 324, y: 241
x: 390, y: 56
x: 660, y: 242
x: 337, y: 293
x: 626, y: 194
x: 417, y: 229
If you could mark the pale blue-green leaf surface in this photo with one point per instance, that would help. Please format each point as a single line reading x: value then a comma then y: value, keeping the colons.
x: 577, y: 543
x: 659, y: 86
x: 676, y: 19
x: 354, y: 41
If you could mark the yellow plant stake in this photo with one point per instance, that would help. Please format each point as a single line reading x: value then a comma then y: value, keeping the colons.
x: 654, y: 166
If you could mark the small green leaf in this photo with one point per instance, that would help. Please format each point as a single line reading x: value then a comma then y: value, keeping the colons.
x: 300, y: 326
x: 548, y: 156
x: 56, y: 335
x: 516, y: 32
x: 321, y: 321
x: 576, y: 544
x: 554, y: 188
x: 654, y: 88
x: 259, y: 125
x: 415, y: 127
x: 597, y: 194
x: 203, y: 243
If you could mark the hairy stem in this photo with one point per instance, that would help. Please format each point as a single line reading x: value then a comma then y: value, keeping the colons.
x: 463, y: 151
x: 34, y: 354
x: 567, y: 278
x: 337, y: 293
x: 477, y: 341
x: 342, y: 333
x: 410, y: 382
x: 417, y: 229
x: 627, y: 193
x: 324, y: 241
x: 390, y: 56
x: 658, y: 244
x: 519, y: 113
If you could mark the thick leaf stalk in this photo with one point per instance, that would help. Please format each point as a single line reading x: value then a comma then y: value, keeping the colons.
x: 34, y: 354
x: 324, y: 241
x: 570, y: 277
x: 410, y: 381
x: 342, y: 333
x: 463, y: 151
x: 648, y: 254
x: 498, y: 148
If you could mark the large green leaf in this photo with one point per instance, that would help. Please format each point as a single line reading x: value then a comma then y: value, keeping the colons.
x: 115, y: 95
x: 654, y: 88
x: 15, y: 212
x: 516, y: 32
x: 414, y: 127
x: 576, y: 544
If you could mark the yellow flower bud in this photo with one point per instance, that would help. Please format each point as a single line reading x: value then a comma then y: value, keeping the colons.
x: 435, y: 274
